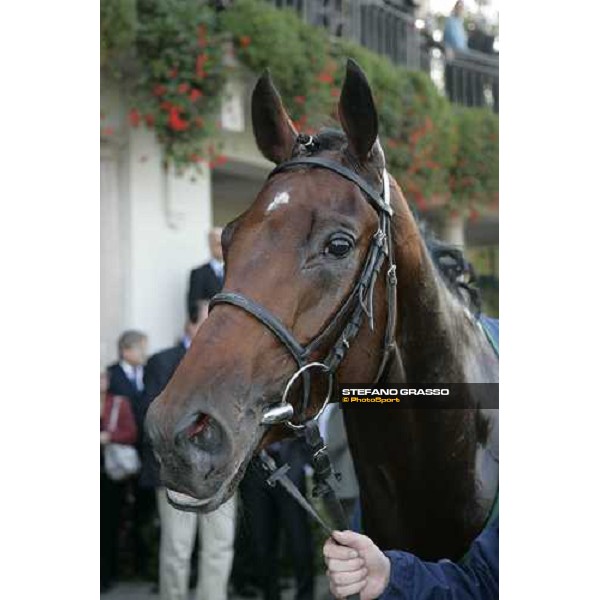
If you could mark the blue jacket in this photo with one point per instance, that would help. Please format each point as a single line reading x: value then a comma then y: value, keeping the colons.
x: 455, y: 36
x: 475, y: 578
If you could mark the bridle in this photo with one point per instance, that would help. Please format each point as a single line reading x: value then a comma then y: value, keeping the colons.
x: 358, y: 304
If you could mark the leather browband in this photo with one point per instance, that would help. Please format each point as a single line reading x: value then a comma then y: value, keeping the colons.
x: 331, y: 165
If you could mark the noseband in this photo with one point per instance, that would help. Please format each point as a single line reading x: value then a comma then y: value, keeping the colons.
x: 349, y: 318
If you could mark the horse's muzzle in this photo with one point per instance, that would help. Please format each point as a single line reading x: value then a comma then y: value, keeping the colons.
x: 193, y: 454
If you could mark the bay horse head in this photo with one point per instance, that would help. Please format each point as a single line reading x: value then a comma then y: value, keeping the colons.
x: 301, y: 299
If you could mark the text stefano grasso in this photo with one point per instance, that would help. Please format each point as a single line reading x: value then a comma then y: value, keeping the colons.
x: 396, y: 391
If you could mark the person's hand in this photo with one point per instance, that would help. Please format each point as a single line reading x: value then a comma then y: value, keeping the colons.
x: 104, y: 437
x: 355, y: 566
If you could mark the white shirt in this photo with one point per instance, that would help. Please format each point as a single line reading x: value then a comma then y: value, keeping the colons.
x: 217, y: 267
x: 134, y: 374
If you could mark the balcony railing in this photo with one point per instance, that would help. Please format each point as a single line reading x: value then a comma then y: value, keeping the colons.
x: 470, y: 78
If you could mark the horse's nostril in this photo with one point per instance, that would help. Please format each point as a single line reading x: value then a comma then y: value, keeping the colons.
x: 199, y: 425
x: 206, y: 434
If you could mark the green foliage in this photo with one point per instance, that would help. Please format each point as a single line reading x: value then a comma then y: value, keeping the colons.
x: 416, y: 126
x: 294, y: 53
x: 474, y: 174
x: 440, y: 154
x: 117, y: 27
x: 180, y: 77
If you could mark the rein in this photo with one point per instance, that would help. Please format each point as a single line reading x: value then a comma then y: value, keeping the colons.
x: 357, y: 306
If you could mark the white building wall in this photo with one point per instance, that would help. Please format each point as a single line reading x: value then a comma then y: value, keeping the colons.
x: 170, y: 218
x: 163, y: 222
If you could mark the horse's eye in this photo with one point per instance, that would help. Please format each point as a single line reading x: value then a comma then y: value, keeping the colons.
x: 338, y: 247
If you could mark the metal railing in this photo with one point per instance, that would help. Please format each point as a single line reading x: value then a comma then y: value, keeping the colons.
x: 470, y: 78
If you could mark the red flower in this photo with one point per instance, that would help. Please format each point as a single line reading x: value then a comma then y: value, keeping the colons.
x: 107, y: 131
x: 200, y: 62
x: 173, y: 73
x: 182, y: 88
x: 420, y: 201
x: 473, y: 214
x: 166, y: 105
x: 195, y: 95
x: 149, y: 120
x: 325, y: 77
x: 300, y: 123
x: 176, y: 123
x: 134, y: 117
x: 159, y: 90
x: 245, y: 41
x: 221, y: 159
x: 300, y: 99
x: 202, y: 35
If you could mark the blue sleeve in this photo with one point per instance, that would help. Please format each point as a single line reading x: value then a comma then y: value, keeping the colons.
x: 476, y: 579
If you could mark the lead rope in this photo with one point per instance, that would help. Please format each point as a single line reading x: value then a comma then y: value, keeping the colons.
x: 324, y: 477
x: 323, y: 488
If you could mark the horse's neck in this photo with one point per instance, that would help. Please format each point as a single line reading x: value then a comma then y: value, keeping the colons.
x: 439, y: 340
x: 428, y: 489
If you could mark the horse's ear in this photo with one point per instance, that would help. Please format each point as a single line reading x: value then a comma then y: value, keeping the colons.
x: 357, y: 112
x: 274, y: 131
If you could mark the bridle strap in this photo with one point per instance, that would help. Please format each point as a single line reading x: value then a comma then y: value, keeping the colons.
x: 261, y: 314
x: 331, y: 165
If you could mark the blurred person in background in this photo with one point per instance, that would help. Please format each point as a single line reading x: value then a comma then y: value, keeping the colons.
x: 481, y: 39
x: 269, y: 510
x: 455, y: 41
x: 127, y: 375
x: 127, y: 379
x: 207, y: 280
x: 117, y: 424
x: 455, y: 34
x: 178, y: 528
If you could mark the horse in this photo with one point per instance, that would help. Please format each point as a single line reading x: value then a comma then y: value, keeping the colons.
x: 428, y: 477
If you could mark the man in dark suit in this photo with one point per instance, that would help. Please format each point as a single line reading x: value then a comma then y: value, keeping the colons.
x: 269, y: 510
x: 207, y: 280
x: 127, y: 379
x: 127, y: 376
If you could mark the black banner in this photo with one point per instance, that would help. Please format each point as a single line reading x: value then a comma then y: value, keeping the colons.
x: 361, y: 396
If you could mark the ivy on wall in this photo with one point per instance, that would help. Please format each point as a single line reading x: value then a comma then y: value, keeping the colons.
x: 440, y: 154
x: 117, y: 28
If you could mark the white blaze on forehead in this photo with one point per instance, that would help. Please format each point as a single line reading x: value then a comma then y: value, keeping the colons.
x: 280, y: 198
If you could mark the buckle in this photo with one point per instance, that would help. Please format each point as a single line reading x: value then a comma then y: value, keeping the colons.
x: 391, y: 274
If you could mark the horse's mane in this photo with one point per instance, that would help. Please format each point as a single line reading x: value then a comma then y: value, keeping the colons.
x: 457, y: 273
